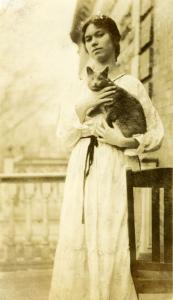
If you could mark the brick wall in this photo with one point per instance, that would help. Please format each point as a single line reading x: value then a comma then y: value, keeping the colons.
x: 122, y: 14
x: 163, y: 74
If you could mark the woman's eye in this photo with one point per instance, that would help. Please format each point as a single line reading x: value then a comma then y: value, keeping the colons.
x: 100, y: 34
x: 87, y: 39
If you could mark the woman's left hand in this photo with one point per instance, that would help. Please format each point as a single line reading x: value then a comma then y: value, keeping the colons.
x: 112, y: 136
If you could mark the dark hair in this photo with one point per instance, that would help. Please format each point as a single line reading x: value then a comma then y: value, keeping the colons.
x: 109, y: 25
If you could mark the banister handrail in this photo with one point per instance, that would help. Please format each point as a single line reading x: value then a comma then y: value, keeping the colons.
x: 157, y: 177
x: 30, y: 205
x: 28, y: 177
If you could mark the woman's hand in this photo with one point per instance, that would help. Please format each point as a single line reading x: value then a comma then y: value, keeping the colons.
x: 102, y: 96
x: 96, y: 98
x: 114, y: 136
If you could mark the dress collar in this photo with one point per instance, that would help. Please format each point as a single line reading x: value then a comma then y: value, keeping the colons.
x: 117, y: 77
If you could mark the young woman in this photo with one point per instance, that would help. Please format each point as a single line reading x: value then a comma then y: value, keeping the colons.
x: 92, y: 257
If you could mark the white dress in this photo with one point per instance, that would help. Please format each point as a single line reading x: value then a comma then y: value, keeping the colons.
x: 92, y: 259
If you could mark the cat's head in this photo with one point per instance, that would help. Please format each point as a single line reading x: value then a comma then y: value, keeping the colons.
x: 97, y: 80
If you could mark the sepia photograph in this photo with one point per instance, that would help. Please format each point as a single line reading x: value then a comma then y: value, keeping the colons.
x: 86, y: 138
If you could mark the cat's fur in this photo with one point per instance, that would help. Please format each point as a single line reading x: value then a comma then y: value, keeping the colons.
x: 126, y: 110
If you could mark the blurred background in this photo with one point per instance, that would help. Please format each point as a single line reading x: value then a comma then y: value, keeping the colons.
x: 38, y: 64
x: 41, y: 60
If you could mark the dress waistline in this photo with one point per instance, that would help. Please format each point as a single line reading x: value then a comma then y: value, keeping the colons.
x: 90, y: 154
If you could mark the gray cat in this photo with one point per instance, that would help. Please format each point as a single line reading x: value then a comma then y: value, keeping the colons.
x: 126, y: 110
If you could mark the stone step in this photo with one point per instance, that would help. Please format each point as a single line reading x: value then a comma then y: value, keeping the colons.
x: 156, y: 297
x: 155, y: 275
x: 147, y: 281
x: 157, y: 286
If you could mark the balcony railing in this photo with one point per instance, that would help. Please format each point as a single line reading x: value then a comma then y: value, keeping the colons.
x: 29, y: 216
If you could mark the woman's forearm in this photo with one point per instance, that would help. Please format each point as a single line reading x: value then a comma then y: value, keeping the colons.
x: 130, y: 143
x: 114, y: 136
x: 81, y: 111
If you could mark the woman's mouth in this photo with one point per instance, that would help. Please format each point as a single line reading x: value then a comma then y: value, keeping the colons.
x: 96, y: 49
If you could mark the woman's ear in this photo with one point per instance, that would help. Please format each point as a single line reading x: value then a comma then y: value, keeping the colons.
x: 89, y: 70
x: 105, y: 72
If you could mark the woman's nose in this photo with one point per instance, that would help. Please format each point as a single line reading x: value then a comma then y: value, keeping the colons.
x: 94, y: 42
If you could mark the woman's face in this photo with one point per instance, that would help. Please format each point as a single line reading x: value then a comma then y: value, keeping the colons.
x: 98, y: 43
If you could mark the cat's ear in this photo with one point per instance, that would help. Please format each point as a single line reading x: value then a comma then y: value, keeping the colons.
x: 105, y: 72
x: 89, y: 71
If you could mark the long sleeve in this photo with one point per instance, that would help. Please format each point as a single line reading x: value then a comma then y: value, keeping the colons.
x: 69, y: 128
x: 152, y: 139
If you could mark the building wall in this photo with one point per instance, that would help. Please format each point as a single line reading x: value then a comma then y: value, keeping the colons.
x: 163, y: 74
x: 123, y: 15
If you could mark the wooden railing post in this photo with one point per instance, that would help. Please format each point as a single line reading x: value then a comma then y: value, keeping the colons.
x: 131, y: 221
x: 168, y: 222
x: 155, y: 224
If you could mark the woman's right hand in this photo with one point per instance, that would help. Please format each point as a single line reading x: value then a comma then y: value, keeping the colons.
x: 96, y: 98
x: 102, y: 96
